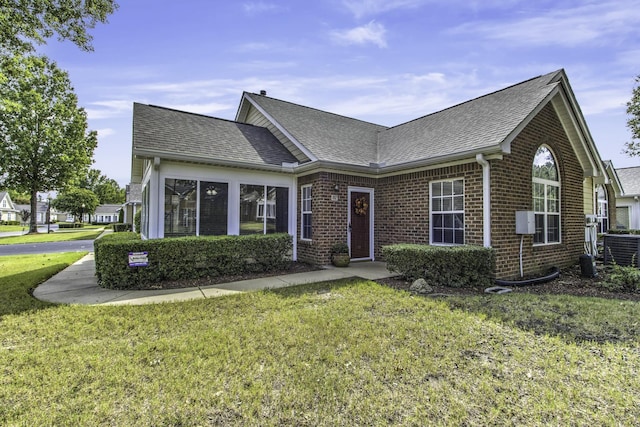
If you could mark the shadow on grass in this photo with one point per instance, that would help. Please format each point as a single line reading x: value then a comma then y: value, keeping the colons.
x: 574, y: 319
x: 316, y: 288
x: 16, y: 291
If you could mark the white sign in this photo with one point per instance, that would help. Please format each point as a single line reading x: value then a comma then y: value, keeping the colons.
x: 138, y: 259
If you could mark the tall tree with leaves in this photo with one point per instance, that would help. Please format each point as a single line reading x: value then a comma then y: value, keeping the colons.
x: 632, y: 148
x: 76, y: 201
x: 23, y: 22
x: 44, y: 141
x: 108, y: 190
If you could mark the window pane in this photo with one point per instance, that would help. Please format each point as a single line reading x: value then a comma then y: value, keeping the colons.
x: 458, y: 203
x: 277, y: 209
x: 448, y: 236
x: 544, y: 165
x: 437, y: 221
x: 459, y: 237
x: 436, y: 189
x: 553, y: 228
x: 458, y: 187
x: 622, y: 217
x: 179, y: 207
x: 250, y: 196
x: 539, y: 236
x: 448, y: 221
x: 437, y: 205
x: 214, y: 199
x: 458, y: 221
x: 447, y: 188
x: 447, y: 204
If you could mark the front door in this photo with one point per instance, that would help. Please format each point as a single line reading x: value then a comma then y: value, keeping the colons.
x: 360, y: 215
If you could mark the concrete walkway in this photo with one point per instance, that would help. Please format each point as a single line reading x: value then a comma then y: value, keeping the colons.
x: 77, y: 284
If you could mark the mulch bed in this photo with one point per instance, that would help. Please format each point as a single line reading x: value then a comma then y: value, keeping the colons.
x: 570, y: 282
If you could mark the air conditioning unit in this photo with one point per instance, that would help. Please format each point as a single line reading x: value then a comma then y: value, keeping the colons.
x: 590, y: 220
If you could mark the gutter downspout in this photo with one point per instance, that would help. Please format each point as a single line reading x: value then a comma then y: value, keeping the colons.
x: 486, y: 199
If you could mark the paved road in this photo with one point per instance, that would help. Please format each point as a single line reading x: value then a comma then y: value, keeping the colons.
x: 44, y: 248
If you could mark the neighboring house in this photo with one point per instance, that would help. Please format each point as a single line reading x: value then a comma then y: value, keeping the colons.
x: 8, y: 211
x: 133, y: 197
x: 454, y: 177
x: 41, y: 213
x: 628, y: 204
x: 105, y: 214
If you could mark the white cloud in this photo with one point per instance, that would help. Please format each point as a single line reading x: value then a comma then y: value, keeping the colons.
x: 594, y: 24
x: 361, y: 8
x: 372, y: 32
x: 254, y: 8
x: 108, y: 109
x: 103, y: 133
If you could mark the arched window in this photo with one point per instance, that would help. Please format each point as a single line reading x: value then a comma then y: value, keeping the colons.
x: 546, y: 197
x: 602, y: 209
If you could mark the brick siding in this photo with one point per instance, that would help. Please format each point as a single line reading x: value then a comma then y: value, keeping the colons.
x: 402, y: 204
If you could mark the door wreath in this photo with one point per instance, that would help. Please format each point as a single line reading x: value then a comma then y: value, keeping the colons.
x: 360, y: 206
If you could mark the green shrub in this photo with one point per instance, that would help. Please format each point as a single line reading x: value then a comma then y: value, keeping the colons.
x: 119, y: 227
x: 630, y: 231
x: 9, y: 222
x: 623, y: 278
x: 70, y: 225
x: 137, y: 220
x: 456, y: 266
x: 187, y: 257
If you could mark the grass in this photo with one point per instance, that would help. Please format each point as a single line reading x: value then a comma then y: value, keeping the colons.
x: 21, y: 273
x: 7, y: 228
x: 339, y: 353
x: 58, y: 236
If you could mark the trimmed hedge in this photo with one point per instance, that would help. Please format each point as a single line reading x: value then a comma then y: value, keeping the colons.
x: 630, y: 231
x: 120, y: 227
x: 70, y: 225
x: 187, y: 257
x: 455, y: 266
x: 10, y: 222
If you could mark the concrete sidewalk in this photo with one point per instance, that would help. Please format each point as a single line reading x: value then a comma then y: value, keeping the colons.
x: 77, y: 284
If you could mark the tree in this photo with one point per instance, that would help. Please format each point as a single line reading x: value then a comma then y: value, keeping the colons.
x: 44, y: 141
x: 76, y: 201
x: 25, y: 214
x: 107, y: 189
x: 23, y: 22
x: 19, y: 198
x: 632, y: 148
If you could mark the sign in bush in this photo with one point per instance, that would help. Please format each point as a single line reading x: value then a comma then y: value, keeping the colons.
x: 138, y: 259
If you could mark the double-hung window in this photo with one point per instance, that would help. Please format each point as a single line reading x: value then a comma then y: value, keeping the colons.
x: 546, y: 197
x: 447, y: 212
x: 306, y: 199
x: 602, y: 210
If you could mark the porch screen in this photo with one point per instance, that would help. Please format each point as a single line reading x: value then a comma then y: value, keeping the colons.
x: 214, y: 200
x: 263, y: 209
x: 180, y: 203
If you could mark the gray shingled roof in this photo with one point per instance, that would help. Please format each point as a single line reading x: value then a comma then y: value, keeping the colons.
x: 176, y: 133
x: 630, y: 180
x: 475, y: 125
x: 329, y: 137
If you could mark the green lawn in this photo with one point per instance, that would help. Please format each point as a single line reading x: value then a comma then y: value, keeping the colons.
x: 7, y: 228
x: 334, y: 354
x: 58, y: 236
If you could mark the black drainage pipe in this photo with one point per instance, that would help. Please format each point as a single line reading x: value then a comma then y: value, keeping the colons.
x: 552, y: 275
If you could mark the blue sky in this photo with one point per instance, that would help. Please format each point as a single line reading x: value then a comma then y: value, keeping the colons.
x: 383, y: 61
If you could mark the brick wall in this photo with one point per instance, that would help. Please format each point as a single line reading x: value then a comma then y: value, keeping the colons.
x: 511, y: 190
x: 402, y: 204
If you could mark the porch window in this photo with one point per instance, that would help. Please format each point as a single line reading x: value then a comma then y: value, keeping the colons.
x: 180, y: 203
x: 447, y: 212
x: 602, y: 210
x: 254, y: 218
x: 214, y: 200
x: 546, y: 197
x: 622, y: 217
x: 306, y: 232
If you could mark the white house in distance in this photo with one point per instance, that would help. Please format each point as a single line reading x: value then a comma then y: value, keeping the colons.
x: 628, y: 204
x: 8, y: 211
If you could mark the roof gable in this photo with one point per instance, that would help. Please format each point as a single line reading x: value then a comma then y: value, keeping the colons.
x: 321, y: 135
x: 630, y: 180
x: 167, y: 133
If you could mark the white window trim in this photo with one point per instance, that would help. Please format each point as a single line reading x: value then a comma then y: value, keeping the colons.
x: 546, y: 212
x: 303, y: 211
x: 602, y: 208
x: 431, y: 212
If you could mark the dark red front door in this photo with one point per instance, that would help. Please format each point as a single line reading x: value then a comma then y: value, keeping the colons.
x: 360, y: 224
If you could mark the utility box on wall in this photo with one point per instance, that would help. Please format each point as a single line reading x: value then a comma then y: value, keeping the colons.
x: 525, y: 222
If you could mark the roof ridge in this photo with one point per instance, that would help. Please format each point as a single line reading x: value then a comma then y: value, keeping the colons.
x: 317, y: 109
x: 476, y: 98
x: 175, y: 110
